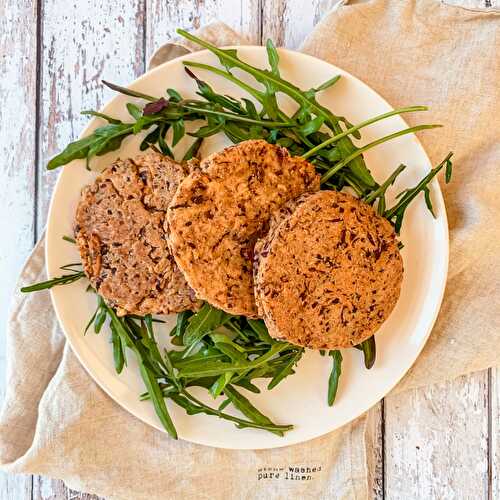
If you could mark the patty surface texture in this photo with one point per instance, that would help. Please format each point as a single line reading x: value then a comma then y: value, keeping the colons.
x: 119, y: 229
x: 220, y: 211
x: 328, y: 273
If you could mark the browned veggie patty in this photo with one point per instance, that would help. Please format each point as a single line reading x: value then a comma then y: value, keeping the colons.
x: 119, y: 229
x: 329, y: 274
x: 219, y: 212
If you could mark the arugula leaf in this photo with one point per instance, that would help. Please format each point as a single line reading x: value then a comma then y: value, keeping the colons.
x: 208, y: 369
x: 101, y: 315
x: 163, y: 128
x: 273, y: 57
x: 61, y: 280
x: 360, y: 151
x: 205, y: 321
x: 207, y: 130
x: 129, y: 92
x: 100, y: 115
x: 250, y: 109
x: 182, y: 322
x: 329, y: 83
x: 274, y: 83
x: 259, y: 327
x: 174, y: 95
x: 192, y: 152
x: 369, y: 351
x: 148, y: 377
x: 246, y: 384
x: 150, y: 139
x: 153, y: 108
x: 242, y: 404
x: 220, y: 384
x: 396, y: 213
x: 134, y: 110
x: 73, y: 151
x: 118, y: 354
x: 333, y: 381
x: 286, y: 370
x: 312, y: 126
x: 179, y: 130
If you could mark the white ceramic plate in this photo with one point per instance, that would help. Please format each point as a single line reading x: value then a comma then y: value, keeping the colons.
x: 300, y: 399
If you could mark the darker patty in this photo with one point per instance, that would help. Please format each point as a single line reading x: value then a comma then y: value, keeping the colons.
x: 119, y: 227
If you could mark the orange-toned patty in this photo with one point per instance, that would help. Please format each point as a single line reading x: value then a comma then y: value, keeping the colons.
x: 329, y: 273
x: 219, y: 212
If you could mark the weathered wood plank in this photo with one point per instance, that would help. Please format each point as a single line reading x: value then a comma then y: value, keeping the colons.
x: 436, y: 440
x: 51, y: 489
x: 494, y: 447
x: 17, y: 122
x: 164, y: 17
x: 18, y: 86
x: 82, y: 43
x: 375, y: 450
x: 475, y: 4
x: 15, y: 487
x: 288, y: 22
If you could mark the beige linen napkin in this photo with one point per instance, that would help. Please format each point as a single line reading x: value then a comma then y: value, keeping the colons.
x: 56, y: 421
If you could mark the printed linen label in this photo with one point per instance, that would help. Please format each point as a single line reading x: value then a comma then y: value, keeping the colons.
x: 288, y: 473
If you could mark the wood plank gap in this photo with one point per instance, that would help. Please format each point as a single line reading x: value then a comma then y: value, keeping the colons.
x: 260, y: 21
x: 382, y: 431
x: 38, y: 118
x: 38, y: 121
x: 144, y: 7
x: 489, y: 451
x: 38, y: 112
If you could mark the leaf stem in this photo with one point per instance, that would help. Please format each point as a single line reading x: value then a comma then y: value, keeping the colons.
x: 371, y: 197
x: 66, y: 279
x: 361, y: 150
x: 129, y: 92
x: 359, y: 126
x: 238, y: 118
x: 407, y: 196
x: 253, y: 92
x: 239, y: 421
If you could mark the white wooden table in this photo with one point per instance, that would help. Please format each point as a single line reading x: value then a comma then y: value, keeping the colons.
x: 441, y: 442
